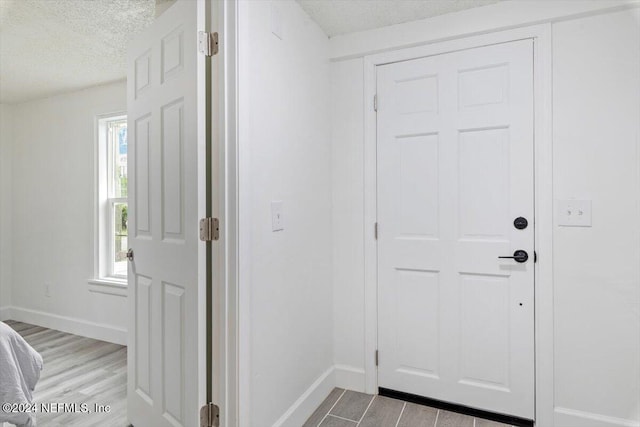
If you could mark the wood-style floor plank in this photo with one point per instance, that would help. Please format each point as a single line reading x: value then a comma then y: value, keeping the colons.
x: 78, y: 370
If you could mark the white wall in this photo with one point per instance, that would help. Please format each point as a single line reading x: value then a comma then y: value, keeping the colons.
x: 53, y: 213
x: 285, y: 276
x: 596, y: 135
x: 6, y: 134
x: 596, y: 120
x: 347, y: 104
x: 347, y: 89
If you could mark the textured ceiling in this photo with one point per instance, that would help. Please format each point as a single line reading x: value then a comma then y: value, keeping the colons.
x: 347, y: 16
x: 53, y: 46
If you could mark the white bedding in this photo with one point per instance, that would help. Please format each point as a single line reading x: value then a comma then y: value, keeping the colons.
x: 20, y: 367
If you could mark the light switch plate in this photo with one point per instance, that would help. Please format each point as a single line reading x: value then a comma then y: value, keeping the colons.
x: 277, y: 217
x: 573, y: 213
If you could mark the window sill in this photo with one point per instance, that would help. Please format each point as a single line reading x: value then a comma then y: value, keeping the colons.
x: 109, y: 286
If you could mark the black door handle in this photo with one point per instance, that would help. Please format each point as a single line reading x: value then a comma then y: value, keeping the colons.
x: 518, y: 256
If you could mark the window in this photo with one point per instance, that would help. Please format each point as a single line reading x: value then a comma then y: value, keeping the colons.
x: 117, y: 200
x: 111, y: 206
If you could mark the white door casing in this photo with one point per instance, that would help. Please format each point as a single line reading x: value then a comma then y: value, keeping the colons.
x: 454, y: 169
x: 165, y: 372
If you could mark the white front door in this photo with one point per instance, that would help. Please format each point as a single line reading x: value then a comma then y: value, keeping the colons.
x: 165, y: 371
x: 455, y: 169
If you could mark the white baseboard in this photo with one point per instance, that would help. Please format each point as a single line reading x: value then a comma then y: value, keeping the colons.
x: 5, y: 314
x: 98, y: 331
x: 302, y: 409
x: 566, y: 417
x: 350, y: 378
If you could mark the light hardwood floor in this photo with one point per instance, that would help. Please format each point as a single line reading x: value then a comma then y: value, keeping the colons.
x: 78, y: 370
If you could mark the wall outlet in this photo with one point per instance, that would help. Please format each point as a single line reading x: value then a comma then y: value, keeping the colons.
x: 573, y: 213
x: 277, y: 216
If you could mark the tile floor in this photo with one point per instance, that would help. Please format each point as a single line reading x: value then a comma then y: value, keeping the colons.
x: 345, y: 408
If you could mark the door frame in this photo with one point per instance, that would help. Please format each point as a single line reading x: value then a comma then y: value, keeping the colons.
x: 212, y: 168
x: 543, y: 199
x: 224, y: 256
x: 219, y: 200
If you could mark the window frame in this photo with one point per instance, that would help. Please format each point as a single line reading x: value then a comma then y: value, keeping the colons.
x: 105, y: 279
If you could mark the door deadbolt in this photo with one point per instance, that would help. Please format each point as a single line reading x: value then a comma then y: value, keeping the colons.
x: 130, y: 254
x: 520, y: 223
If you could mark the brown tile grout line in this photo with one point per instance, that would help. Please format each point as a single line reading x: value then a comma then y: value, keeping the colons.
x: 401, y: 412
x: 366, y: 410
x: 332, y: 406
x: 342, y: 418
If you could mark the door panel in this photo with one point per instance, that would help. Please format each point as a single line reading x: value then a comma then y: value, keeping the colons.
x: 455, y: 168
x: 165, y: 372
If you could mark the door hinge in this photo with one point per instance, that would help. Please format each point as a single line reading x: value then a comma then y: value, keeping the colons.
x: 207, y: 43
x: 377, y: 358
x: 210, y: 415
x: 209, y: 229
x: 375, y: 102
x: 375, y: 231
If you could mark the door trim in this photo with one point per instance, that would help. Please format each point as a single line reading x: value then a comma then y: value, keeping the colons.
x: 219, y: 200
x: 226, y: 358
x: 543, y: 193
x: 205, y: 255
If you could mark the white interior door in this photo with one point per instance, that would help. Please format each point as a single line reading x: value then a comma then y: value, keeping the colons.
x: 455, y: 169
x: 166, y: 371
